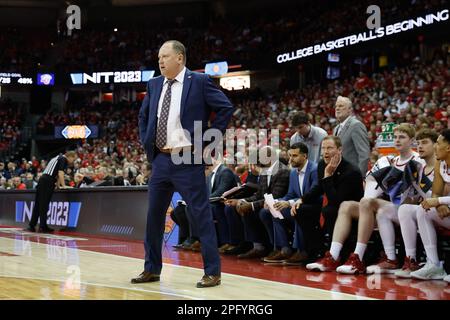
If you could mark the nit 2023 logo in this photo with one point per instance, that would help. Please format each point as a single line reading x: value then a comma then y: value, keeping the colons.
x: 60, y: 213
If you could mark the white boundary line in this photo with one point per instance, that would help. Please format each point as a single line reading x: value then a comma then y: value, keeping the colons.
x: 21, y: 232
x: 228, y: 274
x: 103, y: 285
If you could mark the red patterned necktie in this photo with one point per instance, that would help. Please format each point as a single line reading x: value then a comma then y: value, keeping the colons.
x: 161, y: 131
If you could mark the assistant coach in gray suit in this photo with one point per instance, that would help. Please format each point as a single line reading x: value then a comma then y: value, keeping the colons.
x: 353, y: 134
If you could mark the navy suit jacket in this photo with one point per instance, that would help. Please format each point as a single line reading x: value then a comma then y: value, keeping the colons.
x: 200, y: 97
x: 309, y: 181
x: 224, y: 181
x: 279, y: 184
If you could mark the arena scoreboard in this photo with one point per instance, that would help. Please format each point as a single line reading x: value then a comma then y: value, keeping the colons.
x: 15, y: 78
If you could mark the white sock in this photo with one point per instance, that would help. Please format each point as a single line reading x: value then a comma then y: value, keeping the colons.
x: 408, y: 225
x: 387, y: 231
x: 258, y: 246
x: 428, y: 234
x: 411, y: 253
x: 360, y: 249
x: 335, y: 250
x: 432, y: 255
x: 390, y: 252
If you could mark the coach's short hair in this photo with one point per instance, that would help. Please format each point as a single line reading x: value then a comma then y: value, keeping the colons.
x: 427, y: 133
x: 299, y: 118
x: 337, y: 140
x: 178, y: 47
x: 300, y: 146
x: 406, y: 128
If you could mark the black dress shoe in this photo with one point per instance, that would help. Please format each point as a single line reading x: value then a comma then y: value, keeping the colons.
x: 30, y: 229
x: 146, y: 277
x: 277, y: 258
x: 226, y: 247
x: 296, y: 259
x: 209, y: 281
x: 241, y: 248
x: 186, y: 245
x: 46, y: 230
x: 253, y: 254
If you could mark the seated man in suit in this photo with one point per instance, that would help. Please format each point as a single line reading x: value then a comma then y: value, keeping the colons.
x: 187, y: 238
x: 220, y: 179
x: 238, y: 244
x: 302, y: 178
x: 273, y: 179
x: 339, y: 181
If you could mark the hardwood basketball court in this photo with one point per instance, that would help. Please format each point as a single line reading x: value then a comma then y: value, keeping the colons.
x: 40, y: 266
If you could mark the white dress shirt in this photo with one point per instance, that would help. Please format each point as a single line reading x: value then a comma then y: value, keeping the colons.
x: 269, y: 175
x: 176, y: 138
x: 301, y: 178
x: 269, y: 172
x: 214, y: 172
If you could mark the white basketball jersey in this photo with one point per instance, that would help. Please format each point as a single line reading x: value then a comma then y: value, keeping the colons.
x: 400, y: 164
x: 430, y: 175
x: 371, y: 190
x: 444, y: 171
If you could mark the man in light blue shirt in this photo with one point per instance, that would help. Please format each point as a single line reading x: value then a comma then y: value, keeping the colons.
x: 308, y: 134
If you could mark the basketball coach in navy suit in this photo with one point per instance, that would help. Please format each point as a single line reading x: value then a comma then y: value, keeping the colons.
x: 174, y: 101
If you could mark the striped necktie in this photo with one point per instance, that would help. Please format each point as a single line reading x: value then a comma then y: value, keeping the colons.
x: 161, y: 131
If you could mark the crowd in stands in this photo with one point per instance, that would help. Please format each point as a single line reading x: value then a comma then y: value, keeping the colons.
x: 237, y: 40
x: 10, y: 123
x: 246, y: 41
x: 23, y: 49
x: 118, y: 154
x: 107, y: 163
